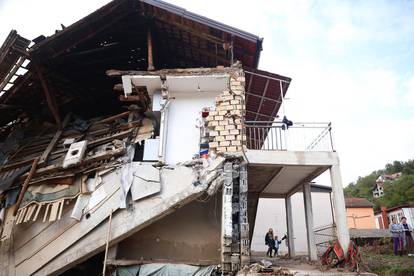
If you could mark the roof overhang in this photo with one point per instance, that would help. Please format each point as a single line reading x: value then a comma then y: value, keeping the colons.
x: 264, y: 92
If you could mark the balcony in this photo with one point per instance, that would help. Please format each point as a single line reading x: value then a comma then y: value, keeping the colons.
x: 277, y: 136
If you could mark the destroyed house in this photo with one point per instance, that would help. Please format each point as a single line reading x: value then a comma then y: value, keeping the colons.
x: 145, y: 135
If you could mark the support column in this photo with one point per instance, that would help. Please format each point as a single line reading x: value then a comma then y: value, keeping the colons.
x: 309, y: 222
x: 342, y: 231
x: 150, y: 55
x: 226, y: 218
x: 289, y: 224
x: 163, y: 121
x: 243, y: 217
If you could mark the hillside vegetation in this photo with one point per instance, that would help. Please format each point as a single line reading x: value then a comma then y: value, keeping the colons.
x: 397, y: 192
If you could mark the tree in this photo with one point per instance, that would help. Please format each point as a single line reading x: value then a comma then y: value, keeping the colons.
x: 397, y: 192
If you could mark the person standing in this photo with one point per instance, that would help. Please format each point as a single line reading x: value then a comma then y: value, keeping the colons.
x: 408, y: 237
x: 269, y: 241
x: 396, y: 231
x: 277, y: 244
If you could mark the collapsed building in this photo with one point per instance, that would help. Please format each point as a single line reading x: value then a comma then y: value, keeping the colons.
x: 145, y: 134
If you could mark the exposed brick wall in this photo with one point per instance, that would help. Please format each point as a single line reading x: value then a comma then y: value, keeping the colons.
x: 225, y: 123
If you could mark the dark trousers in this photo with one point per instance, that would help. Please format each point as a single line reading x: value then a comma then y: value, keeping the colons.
x: 269, y: 251
x: 397, y: 244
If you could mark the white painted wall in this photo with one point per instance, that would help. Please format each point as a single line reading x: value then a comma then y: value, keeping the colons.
x: 409, y: 214
x: 183, y: 137
x: 271, y: 214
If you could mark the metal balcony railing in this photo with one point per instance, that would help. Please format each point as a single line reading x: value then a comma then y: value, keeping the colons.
x: 261, y: 135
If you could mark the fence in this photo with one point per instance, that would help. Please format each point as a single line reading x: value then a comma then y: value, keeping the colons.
x: 262, y: 135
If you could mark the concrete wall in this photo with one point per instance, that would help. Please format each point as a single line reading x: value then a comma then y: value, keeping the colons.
x: 409, y: 214
x: 183, y: 137
x: 271, y: 214
x: 364, y: 218
x: 191, y: 234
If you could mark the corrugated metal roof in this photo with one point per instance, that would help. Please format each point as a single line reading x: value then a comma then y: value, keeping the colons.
x: 357, y: 202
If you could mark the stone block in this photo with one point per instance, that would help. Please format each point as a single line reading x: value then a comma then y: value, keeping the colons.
x: 212, y: 113
x: 236, y: 143
x: 230, y: 137
x: 227, y: 97
x: 213, y: 144
x: 231, y: 148
x: 220, y: 138
x: 224, y: 143
x: 213, y: 133
x: 234, y: 132
x: 234, y: 112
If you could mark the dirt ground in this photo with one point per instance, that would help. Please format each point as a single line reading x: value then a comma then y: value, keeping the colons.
x: 299, y: 266
x: 380, y: 260
x: 377, y: 259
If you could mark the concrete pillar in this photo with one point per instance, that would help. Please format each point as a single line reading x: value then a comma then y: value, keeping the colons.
x: 289, y: 225
x: 243, y: 217
x: 226, y: 218
x: 342, y: 231
x: 309, y: 222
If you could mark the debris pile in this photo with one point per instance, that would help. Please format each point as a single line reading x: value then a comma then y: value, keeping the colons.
x: 334, y: 256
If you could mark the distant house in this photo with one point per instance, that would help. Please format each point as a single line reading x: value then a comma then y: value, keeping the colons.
x: 385, y: 216
x: 378, y: 189
x: 360, y: 213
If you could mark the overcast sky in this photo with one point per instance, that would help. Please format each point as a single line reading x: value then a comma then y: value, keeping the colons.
x: 351, y: 63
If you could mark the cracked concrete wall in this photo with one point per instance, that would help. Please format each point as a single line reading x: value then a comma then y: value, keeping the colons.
x: 189, y: 235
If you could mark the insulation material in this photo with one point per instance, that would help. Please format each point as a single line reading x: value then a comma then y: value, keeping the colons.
x: 126, y: 176
x: 51, y: 197
x: 81, y: 203
x: 50, y: 193
x: 96, y: 197
x: 2, y: 215
x: 146, y: 181
x: 8, y: 224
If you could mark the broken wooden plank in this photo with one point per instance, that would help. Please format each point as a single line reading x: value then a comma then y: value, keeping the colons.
x: 26, y: 184
x: 149, y: 48
x: 54, y: 140
x: 178, y: 190
x: 113, y: 118
x: 50, y: 242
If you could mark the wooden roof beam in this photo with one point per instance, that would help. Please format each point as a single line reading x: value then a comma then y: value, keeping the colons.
x: 50, y: 98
